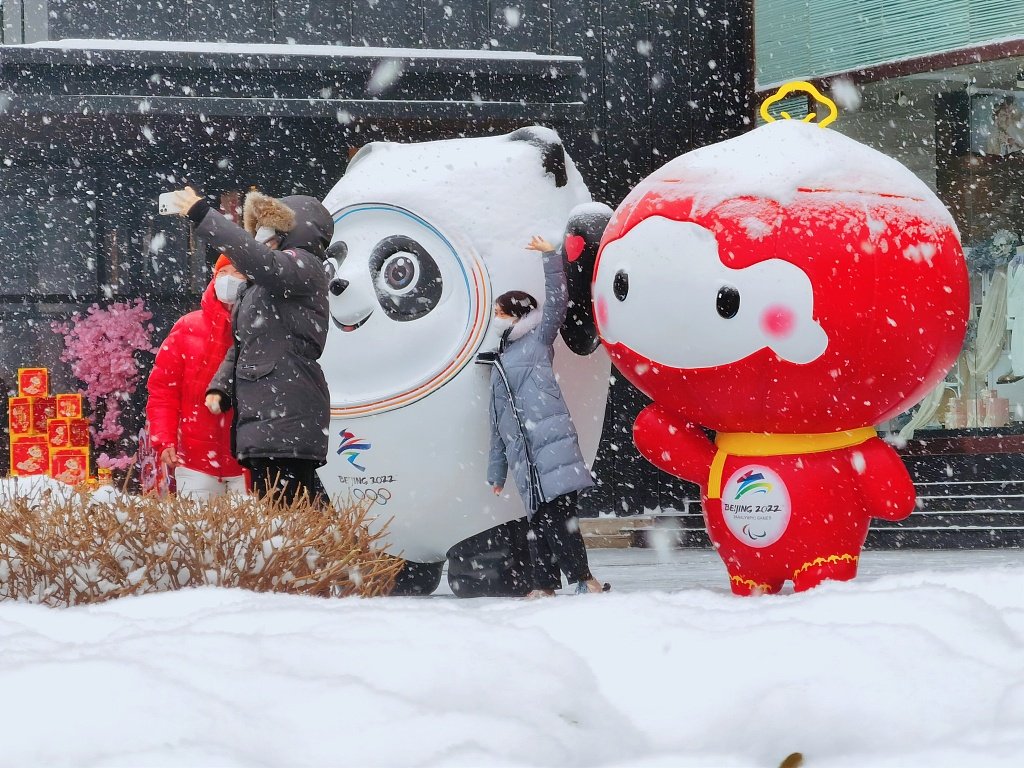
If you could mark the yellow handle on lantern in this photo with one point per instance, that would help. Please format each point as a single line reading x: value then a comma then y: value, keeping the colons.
x: 797, y: 86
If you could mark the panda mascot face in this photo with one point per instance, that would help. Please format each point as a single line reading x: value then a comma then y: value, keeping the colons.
x: 407, y: 301
x: 426, y: 236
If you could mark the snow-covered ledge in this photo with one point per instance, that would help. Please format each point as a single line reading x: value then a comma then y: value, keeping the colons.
x: 272, y: 49
x: 101, y: 76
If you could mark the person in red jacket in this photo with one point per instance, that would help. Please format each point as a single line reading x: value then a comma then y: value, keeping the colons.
x: 192, y: 442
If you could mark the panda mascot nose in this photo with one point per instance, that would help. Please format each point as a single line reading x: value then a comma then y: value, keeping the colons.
x: 337, y: 286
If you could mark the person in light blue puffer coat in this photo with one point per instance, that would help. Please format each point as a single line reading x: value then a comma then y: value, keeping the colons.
x: 532, y: 432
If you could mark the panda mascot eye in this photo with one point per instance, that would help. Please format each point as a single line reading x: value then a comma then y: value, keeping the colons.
x: 399, y: 273
x: 406, y: 278
x: 338, y: 251
x: 728, y: 302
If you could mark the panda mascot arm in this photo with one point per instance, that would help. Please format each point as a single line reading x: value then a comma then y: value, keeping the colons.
x: 674, y: 445
x: 579, y: 248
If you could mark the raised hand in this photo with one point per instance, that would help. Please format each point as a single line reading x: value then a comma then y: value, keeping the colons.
x: 538, y: 243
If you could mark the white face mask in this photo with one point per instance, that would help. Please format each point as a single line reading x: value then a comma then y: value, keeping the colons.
x: 265, y: 234
x: 227, y: 288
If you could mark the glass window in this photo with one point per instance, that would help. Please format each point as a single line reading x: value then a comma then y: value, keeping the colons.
x: 48, y: 233
x: 961, y: 130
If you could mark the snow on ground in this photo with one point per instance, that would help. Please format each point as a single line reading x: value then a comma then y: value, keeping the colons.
x: 923, y: 666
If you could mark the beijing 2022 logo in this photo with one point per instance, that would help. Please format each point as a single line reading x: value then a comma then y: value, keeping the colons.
x: 756, y: 506
x: 352, y: 448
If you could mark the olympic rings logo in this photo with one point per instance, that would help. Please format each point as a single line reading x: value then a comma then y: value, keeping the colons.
x: 380, y: 496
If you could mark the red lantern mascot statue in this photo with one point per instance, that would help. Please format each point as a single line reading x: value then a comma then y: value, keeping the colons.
x: 786, y: 290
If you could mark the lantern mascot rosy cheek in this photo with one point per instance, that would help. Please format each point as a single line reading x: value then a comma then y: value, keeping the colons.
x: 787, y: 290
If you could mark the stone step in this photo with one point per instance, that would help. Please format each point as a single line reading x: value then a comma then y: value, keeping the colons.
x: 610, y: 525
x: 669, y: 538
x: 980, y: 518
x: 953, y: 503
x: 916, y: 532
x: 970, y: 488
x: 965, y: 467
x: 607, y: 540
x: 944, y: 538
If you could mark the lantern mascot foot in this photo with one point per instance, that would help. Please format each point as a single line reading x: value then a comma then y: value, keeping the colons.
x: 832, y: 567
x: 745, y: 587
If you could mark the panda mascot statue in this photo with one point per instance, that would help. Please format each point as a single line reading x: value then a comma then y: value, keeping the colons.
x: 426, y: 236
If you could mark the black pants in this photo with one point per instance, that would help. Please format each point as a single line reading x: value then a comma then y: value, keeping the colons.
x: 557, y: 544
x: 290, y: 477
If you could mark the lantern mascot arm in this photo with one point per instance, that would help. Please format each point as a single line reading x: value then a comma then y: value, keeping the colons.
x: 886, y: 487
x: 673, y: 444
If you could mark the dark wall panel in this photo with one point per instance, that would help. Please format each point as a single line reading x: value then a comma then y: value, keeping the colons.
x: 521, y: 25
x: 313, y: 22
x: 390, y: 23
x: 627, y: 95
x: 230, y: 21
x: 576, y: 31
x: 142, y: 19
x: 672, y: 58
x: 456, y: 25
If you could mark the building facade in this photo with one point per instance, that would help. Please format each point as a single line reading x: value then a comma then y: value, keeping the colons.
x: 939, y: 85
x: 106, y: 103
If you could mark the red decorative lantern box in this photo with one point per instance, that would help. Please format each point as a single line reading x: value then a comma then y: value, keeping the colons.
x: 59, y: 433
x: 70, y: 465
x: 19, y: 416
x: 69, y: 406
x: 33, y: 382
x: 79, y: 433
x: 43, y: 409
x: 29, y: 456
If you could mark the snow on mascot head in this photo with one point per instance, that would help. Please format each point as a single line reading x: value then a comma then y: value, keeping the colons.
x: 787, y: 289
x: 426, y: 236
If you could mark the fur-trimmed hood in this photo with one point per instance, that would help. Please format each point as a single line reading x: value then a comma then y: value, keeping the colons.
x: 303, y: 220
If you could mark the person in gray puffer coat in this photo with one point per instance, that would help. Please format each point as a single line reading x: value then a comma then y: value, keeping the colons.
x: 532, y: 432
x: 280, y: 319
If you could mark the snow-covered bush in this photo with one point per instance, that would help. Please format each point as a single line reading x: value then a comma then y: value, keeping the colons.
x: 61, y: 546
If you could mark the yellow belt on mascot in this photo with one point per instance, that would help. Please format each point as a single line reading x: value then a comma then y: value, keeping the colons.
x: 765, y: 444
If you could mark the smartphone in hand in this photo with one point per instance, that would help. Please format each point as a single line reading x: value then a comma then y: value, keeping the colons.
x: 167, y: 204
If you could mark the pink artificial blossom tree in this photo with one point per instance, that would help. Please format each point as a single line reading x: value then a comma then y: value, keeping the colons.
x: 101, y: 349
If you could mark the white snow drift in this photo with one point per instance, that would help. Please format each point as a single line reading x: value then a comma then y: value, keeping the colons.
x: 921, y: 669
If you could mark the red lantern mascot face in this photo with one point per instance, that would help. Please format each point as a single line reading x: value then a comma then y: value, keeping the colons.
x: 787, y: 289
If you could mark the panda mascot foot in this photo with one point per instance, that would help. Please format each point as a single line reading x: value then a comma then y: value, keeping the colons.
x: 417, y: 579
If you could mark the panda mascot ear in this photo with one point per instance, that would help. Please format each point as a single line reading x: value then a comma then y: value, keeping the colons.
x: 550, y: 146
x: 578, y: 250
x: 361, y: 154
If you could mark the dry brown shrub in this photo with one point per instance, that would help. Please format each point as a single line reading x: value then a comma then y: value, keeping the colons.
x: 64, y: 547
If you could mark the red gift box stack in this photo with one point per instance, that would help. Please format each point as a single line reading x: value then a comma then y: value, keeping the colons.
x: 48, y: 434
